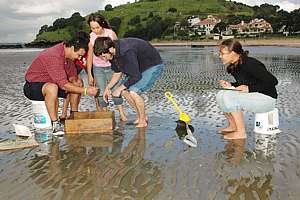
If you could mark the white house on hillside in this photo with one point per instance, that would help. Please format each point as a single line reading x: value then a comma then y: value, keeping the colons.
x: 260, y: 25
x: 192, y: 20
x: 205, y: 26
x: 253, y: 27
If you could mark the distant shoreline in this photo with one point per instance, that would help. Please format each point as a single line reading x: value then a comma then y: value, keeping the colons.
x: 291, y: 42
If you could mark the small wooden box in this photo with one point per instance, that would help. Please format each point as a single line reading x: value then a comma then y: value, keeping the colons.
x: 90, y: 122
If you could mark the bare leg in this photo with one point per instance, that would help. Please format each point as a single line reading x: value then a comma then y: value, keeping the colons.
x: 66, y: 103
x: 240, y: 132
x: 131, y: 102
x: 231, y: 124
x: 75, y: 98
x: 129, y: 99
x: 122, y: 113
x: 140, y: 105
x: 50, y: 91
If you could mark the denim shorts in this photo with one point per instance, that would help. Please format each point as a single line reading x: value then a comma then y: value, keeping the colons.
x: 234, y: 101
x: 148, y: 79
x: 103, y: 75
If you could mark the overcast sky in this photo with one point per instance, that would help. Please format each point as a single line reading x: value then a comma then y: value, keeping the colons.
x: 22, y: 19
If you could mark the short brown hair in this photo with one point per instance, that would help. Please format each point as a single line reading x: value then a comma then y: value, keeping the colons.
x: 102, y: 45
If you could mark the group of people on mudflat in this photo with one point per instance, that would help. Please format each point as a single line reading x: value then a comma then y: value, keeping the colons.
x: 125, y: 68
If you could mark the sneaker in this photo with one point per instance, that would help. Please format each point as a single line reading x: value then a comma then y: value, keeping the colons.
x: 57, y: 128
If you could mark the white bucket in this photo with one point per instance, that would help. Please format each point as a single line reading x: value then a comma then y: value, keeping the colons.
x: 267, y: 123
x: 41, y: 119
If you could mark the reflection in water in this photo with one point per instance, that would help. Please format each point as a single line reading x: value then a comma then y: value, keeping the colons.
x: 96, y: 167
x: 250, y: 188
x: 255, y: 178
x: 265, y: 144
x: 234, y: 150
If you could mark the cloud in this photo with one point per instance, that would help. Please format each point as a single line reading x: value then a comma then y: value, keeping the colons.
x: 35, y: 8
x: 22, y: 19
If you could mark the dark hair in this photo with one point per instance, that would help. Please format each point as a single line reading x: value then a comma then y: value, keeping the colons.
x: 80, y: 40
x: 102, y: 45
x: 99, y: 19
x: 236, y: 46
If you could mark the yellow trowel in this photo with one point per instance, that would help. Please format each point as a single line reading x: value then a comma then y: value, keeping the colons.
x: 185, y: 119
x: 182, y: 116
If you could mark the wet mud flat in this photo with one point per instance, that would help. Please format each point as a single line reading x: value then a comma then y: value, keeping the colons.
x: 154, y: 163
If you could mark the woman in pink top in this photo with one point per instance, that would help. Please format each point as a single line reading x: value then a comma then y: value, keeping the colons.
x: 100, y: 67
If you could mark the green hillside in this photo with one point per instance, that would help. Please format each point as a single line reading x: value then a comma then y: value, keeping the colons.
x: 143, y: 15
x: 184, y: 9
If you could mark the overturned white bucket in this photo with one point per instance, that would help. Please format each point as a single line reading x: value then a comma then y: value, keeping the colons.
x: 267, y: 123
x: 41, y: 119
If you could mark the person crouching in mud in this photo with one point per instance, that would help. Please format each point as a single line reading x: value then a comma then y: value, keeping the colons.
x: 52, y: 74
x: 139, y: 61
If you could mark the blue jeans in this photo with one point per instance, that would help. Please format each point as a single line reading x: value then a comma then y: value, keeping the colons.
x: 102, y: 76
x: 234, y: 101
x: 148, y: 79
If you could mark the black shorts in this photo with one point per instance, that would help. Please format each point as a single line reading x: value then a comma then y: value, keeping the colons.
x: 33, y: 91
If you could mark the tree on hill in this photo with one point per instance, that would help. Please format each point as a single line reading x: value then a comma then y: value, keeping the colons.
x: 150, y: 15
x: 236, y: 19
x: 155, y: 27
x: 139, y: 32
x: 295, y: 20
x: 172, y: 10
x: 265, y: 11
x: 43, y: 29
x: 76, y: 20
x: 59, y: 23
x: 135, y: 20
x: 219, y: 27
x: 108, y: 7
x: 282, y: 19
x: 115, y: 23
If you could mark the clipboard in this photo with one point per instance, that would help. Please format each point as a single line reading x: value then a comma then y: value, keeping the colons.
x: 232, y: 89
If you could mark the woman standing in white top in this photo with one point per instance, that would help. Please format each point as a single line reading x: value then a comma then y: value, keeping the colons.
x: 101, y: 68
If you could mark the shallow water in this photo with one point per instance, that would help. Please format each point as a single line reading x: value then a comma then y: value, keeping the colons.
x: 154, y: 163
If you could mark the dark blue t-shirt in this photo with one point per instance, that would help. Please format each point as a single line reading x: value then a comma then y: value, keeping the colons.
x: 134, y: 56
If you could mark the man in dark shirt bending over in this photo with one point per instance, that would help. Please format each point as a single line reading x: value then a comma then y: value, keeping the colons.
x: 52, y: 73
x: 139, y: 61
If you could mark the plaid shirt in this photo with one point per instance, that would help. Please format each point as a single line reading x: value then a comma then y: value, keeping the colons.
x: 51, y: 66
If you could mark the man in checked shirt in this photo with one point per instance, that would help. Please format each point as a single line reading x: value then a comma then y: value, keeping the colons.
x: 52, y: 74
